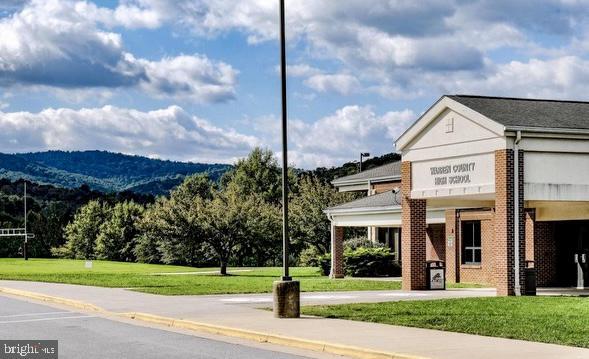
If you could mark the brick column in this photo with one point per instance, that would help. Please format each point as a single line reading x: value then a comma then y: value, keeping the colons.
x: 337, y: 252
x: 530, y: 222
x: 504, y: 222
x: 413, y: 234
x: 452, y: 246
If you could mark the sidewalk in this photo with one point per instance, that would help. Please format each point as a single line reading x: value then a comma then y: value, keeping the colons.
x: 239, y: 311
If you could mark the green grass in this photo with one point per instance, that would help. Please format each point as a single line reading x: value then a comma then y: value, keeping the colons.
x: 139, y: 277
x: 558, y: 320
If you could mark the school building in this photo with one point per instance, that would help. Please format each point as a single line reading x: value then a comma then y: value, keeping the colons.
x: 489, y: 185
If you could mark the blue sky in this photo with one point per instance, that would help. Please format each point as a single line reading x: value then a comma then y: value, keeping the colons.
x: 197, y: 80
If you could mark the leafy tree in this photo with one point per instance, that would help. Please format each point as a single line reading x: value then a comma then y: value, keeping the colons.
x: 82, y: 232
x: 234, y: 220
x: 118, y: 234
x: 259, y: 174
x: 309, y: 224
x: 48, y: 225
x: 172, y: 229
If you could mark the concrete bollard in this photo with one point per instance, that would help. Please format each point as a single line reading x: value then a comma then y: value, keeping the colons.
x: 287, y: 299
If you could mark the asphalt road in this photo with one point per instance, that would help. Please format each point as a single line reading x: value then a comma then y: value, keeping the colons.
x: 83, y: 335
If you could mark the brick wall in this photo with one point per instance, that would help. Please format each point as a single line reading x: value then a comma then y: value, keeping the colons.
x: 485, y: 272
x: 413, y: 234
x: 337, y: 253
x: 384, y: 186
x: 503, y: 222
x: 436, y: 244
x: 545, y: 253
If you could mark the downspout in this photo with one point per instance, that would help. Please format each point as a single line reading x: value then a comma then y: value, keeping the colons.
x: 516, y: 209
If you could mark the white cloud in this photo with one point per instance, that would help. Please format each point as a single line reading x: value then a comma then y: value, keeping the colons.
x: 561, y: 78
x: 340, y: 137
x: 193, y: 77
x: 343, y: 84
x: 60, y: 44
x: 166, y: 133
x: 337, y: 138
x: 394, y: 48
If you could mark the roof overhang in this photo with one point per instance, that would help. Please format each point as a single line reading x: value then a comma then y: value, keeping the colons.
x: 379, y: 217
x: 352, y: 182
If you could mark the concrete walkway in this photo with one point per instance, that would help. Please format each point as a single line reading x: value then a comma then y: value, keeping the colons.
x: 239, y: 311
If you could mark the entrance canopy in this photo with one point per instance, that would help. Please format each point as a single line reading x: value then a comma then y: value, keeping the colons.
x: 380, y: 210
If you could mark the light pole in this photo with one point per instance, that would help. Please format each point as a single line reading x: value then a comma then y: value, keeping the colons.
x: 286, y: 291
x: 362, y: 155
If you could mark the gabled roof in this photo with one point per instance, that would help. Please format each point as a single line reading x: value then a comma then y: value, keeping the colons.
x: 390, y: 171
x: 383, y: 200
x: 521, y: 112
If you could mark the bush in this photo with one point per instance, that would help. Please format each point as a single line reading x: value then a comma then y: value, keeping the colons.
x: 361, y: 242
x: 370, y: 262
x: 309, y: 257
x: 324, y: 264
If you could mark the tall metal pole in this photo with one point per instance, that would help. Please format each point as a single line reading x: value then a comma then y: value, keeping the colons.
x: 285, y: 237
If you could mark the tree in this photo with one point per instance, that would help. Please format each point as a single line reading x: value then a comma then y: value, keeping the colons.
x: 172, y: 229
x: 118, y: 234
x: 234, y: 220
x: 82, y: 232
x: 259, y: 174
x: 309, y: 224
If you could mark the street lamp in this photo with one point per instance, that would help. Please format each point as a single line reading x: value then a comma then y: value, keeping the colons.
x: 362, y: 155
x: 286, y: 291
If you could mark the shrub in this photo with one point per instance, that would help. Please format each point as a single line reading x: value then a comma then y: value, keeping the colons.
x: 370, y: 262
x: 361, y: 242
x: 309, y: 257
x: 324, y: 263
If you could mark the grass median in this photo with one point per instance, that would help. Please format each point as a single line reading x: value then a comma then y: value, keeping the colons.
x: 557, y: 320
x: 160, y: 279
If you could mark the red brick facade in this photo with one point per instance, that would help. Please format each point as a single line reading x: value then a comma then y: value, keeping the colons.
x: 420, y: 242
x: 435, y: 245
x: 413, y: 234
x: 337, y: 253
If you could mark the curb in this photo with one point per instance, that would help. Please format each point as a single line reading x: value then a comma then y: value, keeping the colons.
x: 48, y: 298
x: 318, y: 346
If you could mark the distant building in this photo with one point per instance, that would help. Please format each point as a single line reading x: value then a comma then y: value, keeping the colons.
x: 453, y: 195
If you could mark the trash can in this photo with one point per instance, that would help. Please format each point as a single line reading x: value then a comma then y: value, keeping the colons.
x: 436, y: 275
x: 530, y: 278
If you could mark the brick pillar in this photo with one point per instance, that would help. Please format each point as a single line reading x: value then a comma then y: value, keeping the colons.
x: 530, y: 233
x: 413, y: 234
x: 337, y: 252
x: 504, y: 223
x: 452, y: 257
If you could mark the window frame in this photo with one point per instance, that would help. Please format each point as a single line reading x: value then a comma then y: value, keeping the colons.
x: 471, y: 247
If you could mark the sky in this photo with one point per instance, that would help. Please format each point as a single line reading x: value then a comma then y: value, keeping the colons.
x: 198, y: 80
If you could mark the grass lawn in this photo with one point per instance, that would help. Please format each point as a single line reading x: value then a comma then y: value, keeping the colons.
x: 140, y: 277
x: 558, y: 320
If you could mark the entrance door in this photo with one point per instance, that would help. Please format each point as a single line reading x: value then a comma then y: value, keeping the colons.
x: 572, y: 238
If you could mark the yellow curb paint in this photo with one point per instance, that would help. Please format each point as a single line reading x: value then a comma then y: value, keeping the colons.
x: 338, y: 349
x: 48, y: 298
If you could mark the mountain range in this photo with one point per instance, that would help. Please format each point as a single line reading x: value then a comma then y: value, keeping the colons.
x: 103, y: 171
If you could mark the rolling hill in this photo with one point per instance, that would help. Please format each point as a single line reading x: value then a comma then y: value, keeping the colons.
x: 103, y: 171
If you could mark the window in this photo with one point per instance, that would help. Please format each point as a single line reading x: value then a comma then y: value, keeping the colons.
x: 450, y: 124
x: 471, y: 242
